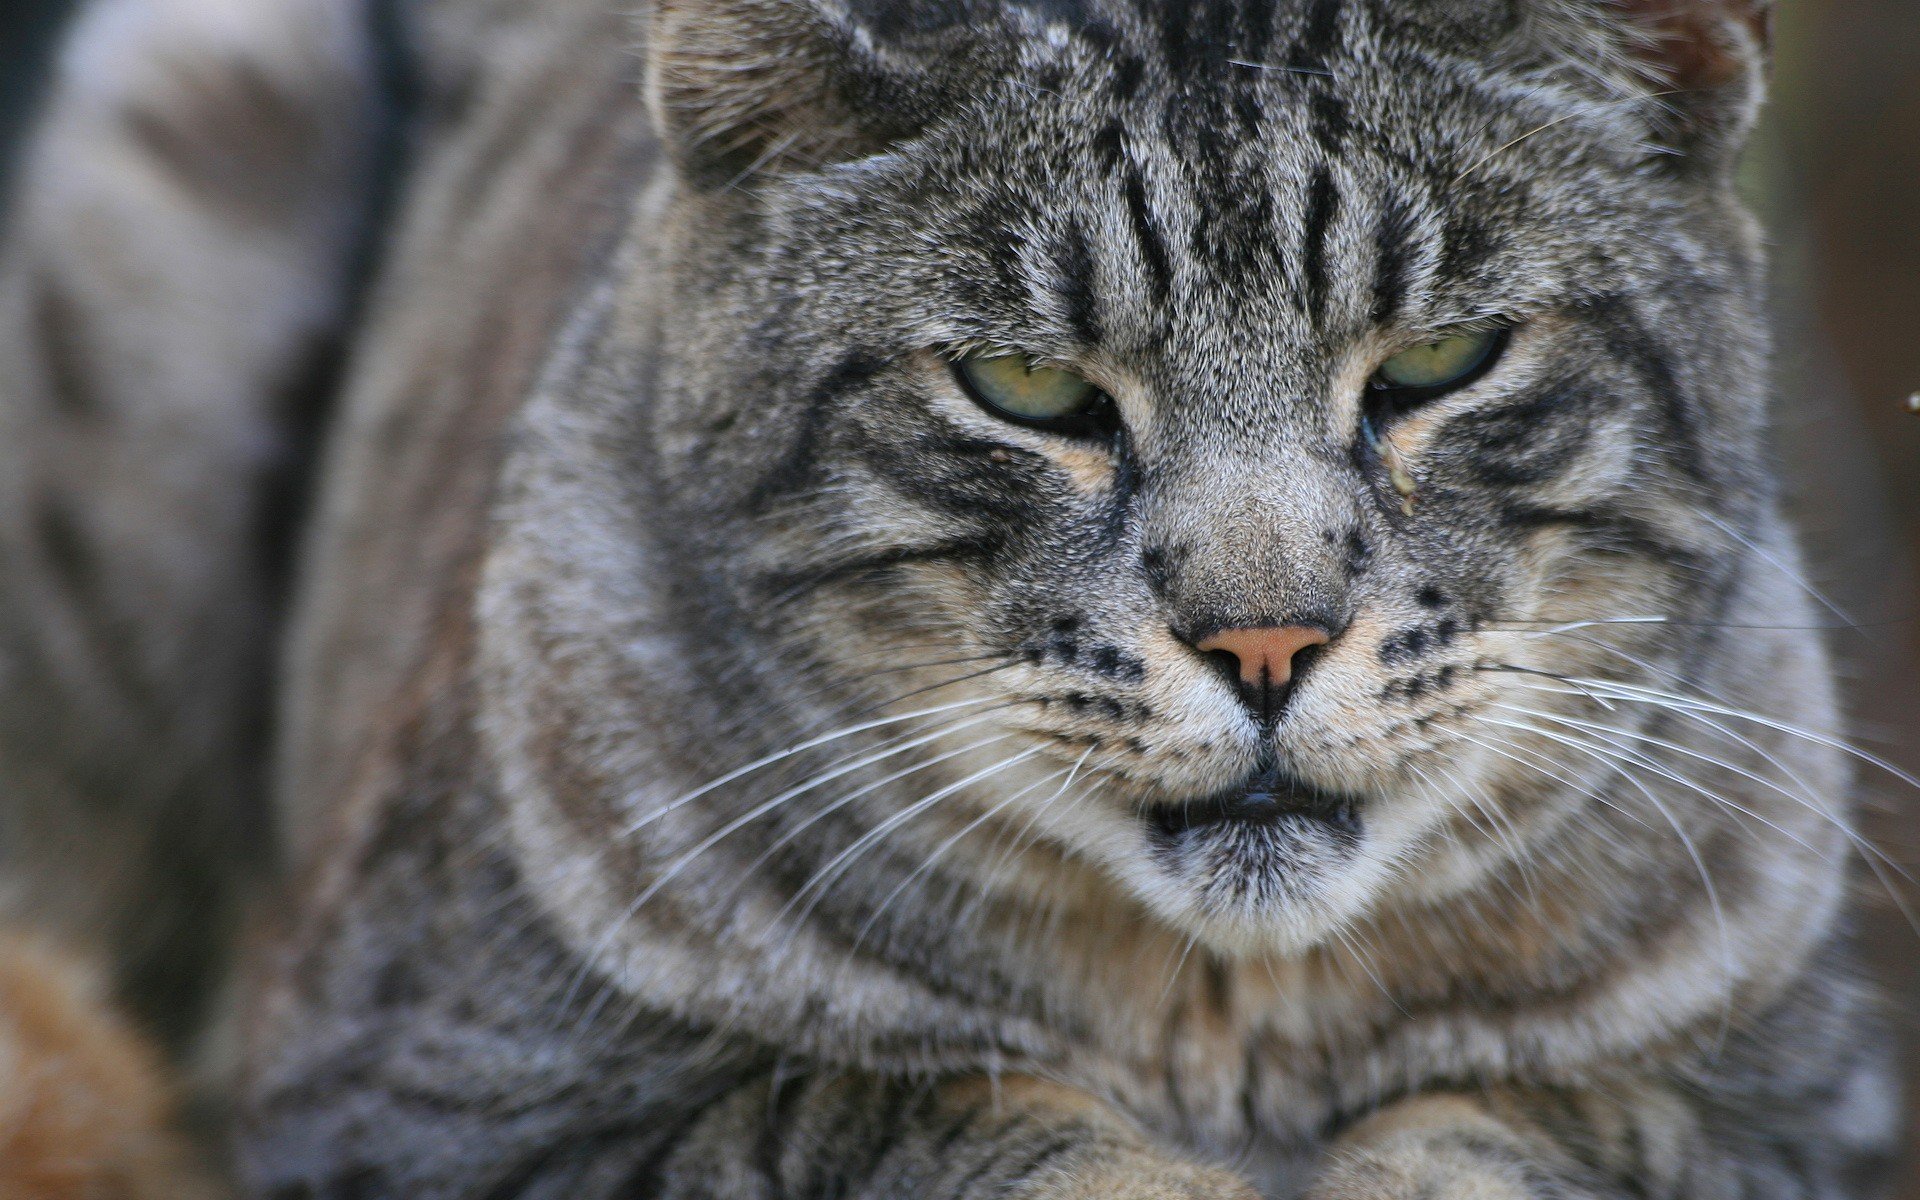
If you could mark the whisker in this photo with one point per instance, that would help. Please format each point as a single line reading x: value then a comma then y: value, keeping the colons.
x: 1501, y: 626
x: 1258, y: 66
x: 824, y: 877
x: 1700, y: 867
x: 1362, y: 955
x: 1773, y: 560
x: 1635, y: 691
x: 1509, y: 668
x: 1020, y: 841
x: 1506, y: 833
x: 1560, y: 120
x: 948, y: 844
x: 1808, y: 800
x: 689, y: 857
x: 1627, y: 754
x: 768, y: 806
x: 1878, y: 861
x: 868, y: 676
x: 789, y: 752
x: 934, y: 687
x: 1179, y: 965
x: 1434, y: 792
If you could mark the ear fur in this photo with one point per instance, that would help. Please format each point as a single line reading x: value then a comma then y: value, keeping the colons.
x: 743, y: 88
x: 1709, y: 58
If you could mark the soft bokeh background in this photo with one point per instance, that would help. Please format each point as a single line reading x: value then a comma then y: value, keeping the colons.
x: 1838, y: 176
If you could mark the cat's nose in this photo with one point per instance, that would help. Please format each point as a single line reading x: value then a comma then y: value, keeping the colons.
x: 1265, y: 662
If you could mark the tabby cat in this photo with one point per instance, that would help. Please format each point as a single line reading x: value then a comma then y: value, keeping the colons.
x: 952, y: 598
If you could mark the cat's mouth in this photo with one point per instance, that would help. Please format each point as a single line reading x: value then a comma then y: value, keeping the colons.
x: 1269, y: 796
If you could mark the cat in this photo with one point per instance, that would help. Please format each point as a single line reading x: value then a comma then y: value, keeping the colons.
x: 1080, y: 598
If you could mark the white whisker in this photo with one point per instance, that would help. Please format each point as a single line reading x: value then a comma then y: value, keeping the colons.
x: 948, y: 844
x: 824, y: 877
x: 789, y: 752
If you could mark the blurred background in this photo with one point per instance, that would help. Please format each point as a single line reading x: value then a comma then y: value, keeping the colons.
x: 1837, y: 175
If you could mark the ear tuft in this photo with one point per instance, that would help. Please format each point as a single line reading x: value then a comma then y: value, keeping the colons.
x: 742, y: 88
x: 1709, y: 59
x: 1694, y: 44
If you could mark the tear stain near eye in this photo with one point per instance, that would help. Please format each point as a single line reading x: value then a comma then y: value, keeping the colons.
x: 1399, y: 475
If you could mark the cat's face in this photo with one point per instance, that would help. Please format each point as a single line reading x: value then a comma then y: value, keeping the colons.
x: 1228, y: 225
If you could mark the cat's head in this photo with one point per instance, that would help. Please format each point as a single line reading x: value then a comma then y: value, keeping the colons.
x: 1242, y: 423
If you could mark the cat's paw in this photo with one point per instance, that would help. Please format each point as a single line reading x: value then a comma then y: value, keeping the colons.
x: 1438, y: 1148
x: 1134, y: 1177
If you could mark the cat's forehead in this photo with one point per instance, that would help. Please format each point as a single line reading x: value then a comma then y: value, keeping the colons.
x: 1183, y: 41
x: 1414, y: 84
x: 1232, y: 191
x: 1182, y: 24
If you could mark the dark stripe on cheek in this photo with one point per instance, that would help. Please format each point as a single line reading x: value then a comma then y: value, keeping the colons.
x: 959, y: 476
x: 1153, y: 251
x: 1629, y: 341
x: 1606, y: 532
x: 798, y: 468
x: 1323, y: 202
x: 784, y: 586
x: 1526, y: 443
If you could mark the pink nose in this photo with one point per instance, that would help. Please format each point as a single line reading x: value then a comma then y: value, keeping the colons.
x: 1266, y: 656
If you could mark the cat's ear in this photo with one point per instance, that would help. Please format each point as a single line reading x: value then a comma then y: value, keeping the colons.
x: 1707, y: 63
x: 742, y: 89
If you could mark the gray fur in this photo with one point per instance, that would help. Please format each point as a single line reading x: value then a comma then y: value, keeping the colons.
x: 653, y: 516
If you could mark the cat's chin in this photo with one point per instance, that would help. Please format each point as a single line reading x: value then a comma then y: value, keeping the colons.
x: 1272, y: 865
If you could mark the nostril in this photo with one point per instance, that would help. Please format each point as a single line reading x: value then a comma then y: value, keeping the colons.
x: 1227, y: 663
x: 1304, y: 658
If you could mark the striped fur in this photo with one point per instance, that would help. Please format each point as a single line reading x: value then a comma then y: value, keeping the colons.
x: 733, y: 764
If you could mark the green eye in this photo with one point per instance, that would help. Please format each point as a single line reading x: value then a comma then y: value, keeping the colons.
x: 1011, y: 386
x: 1440, y: 366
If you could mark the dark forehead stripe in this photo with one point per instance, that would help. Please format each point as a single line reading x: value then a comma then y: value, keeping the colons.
x: 996, y: 223
x: 1174, y: 18
x: 1074, y: 283
x: 1110, y: 147
x: 1331, y: 123
x: 1323, y: 204
x: 1153, y: 251
x: 1319, y: 40
x: 1393, y: 244
x: 1256, y: 33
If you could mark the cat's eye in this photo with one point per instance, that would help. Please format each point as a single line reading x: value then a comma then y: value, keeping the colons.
x: 1440, y: 366
x: 1015, y: 388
